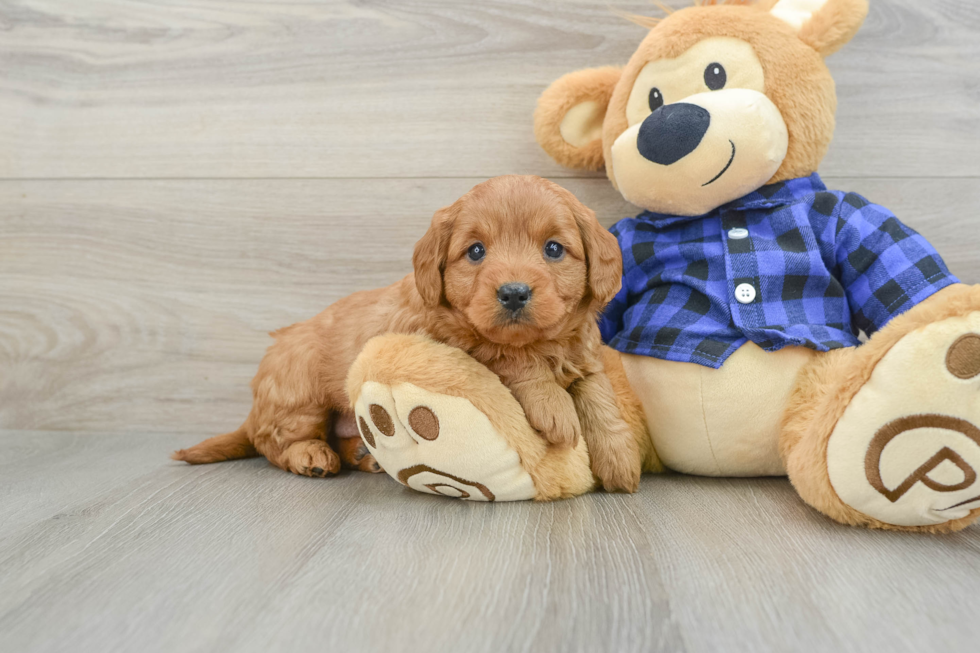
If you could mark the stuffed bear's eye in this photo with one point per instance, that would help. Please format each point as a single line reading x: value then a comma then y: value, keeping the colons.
x: 476, y: 252
x: 656, y: 99
x: 554, y: 250
x: 715, y: 77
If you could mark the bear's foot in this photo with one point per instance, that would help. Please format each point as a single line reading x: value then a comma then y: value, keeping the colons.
x: 439, y: 422
x: 439, y: 444
x: 906, y: 452
x: 887, y: 435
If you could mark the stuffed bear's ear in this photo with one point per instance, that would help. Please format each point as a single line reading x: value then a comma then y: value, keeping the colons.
x: 568, y: 120
x: 824, y: 25
x: 429, y: 258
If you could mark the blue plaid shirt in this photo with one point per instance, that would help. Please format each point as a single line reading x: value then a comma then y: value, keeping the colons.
x: 821, y: 266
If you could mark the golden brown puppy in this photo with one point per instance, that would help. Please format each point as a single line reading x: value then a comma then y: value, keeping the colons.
x: 514, y: 273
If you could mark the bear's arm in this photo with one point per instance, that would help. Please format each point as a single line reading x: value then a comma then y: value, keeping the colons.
x: 885, y: 266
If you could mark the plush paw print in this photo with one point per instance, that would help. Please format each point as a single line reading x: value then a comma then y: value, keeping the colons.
x: 439, y: 444
x: 907, y: 450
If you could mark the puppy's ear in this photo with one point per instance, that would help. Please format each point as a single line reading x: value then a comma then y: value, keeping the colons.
x: 602, y: 253
x: 569, y: 117
x: 429, y: 258
x: 824, y: 25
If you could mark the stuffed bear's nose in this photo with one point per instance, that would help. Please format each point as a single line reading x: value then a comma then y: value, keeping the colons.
x: 514, y: 296
x: 672, y: 132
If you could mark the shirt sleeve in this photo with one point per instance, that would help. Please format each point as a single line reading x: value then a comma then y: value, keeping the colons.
x: 886, y: 267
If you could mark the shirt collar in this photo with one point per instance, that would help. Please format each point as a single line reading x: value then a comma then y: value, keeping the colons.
x: 775, y: 195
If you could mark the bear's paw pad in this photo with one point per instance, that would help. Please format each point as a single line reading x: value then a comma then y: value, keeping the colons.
x: 439, y: 444
x: 907, y: 449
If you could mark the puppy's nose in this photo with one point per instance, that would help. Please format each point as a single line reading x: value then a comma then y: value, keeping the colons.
x: 672, y: 132
x: 514, y: 296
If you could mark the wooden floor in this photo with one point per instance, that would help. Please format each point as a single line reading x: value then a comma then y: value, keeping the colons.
x: 107, y: 546
x: 179, y: 178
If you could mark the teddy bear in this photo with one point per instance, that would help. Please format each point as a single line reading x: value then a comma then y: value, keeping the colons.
x: 766, y: 326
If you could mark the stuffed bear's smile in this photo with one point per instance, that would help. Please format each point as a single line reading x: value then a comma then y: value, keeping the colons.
x: 659, y: 163
x: 727, y: 166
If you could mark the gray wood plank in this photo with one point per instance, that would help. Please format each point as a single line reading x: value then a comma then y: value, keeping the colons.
x: 145, y: 305
x: 137, y: 310
x: 110, y: 288
x: 141, y: 553
x: 217, y: 88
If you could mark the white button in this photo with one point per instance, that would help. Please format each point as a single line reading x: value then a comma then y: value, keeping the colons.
x: 745, y: 293
x: 738, y: 233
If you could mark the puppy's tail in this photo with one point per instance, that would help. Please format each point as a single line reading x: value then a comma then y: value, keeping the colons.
x: 221, y: 447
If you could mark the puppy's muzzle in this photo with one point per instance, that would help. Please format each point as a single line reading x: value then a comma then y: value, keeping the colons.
x: 672, y: 132
x: 514, y: 296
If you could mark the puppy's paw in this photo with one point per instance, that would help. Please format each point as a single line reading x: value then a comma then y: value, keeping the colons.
x: 560, y: 428
x: 555, y: 419
x: 614, y: 455
x: 311, y: 458
x: 618, y: 471
x: 354, y: 454
x: 564, y: 429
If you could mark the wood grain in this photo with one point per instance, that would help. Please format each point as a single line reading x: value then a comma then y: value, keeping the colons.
x: 178, y: 178
x: 144, y: 306
x: 126, y: 551
x: 432, y: 88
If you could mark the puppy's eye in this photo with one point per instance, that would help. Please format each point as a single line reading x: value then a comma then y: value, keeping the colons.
x: 656, y: 99
x: 715, y: 77
x: 476, y: 252
x: 554, y: 251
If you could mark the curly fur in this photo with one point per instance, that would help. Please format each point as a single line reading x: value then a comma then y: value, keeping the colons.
x: 550, y: 358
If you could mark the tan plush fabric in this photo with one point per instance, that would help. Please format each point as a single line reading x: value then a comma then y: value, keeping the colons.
x: 828, y: 386
x: 582, y: 124
x: 796, y: 13
x: 790, y: 54
x: 796, y: 79
x: 876, y: 435
x: 456, y: 451
x: 484, y: 436
x: 675, y: 80
x: 631, y: 409
x: 833, y: 25
x: 721, y: 422
x: 593, y: 85
x: 713, y: 174
x: 906, y: 450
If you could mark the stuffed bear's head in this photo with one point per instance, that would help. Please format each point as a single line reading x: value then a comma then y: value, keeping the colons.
x: 718, y: 100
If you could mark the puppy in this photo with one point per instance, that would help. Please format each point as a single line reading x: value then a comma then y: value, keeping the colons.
x: 514, y: 273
